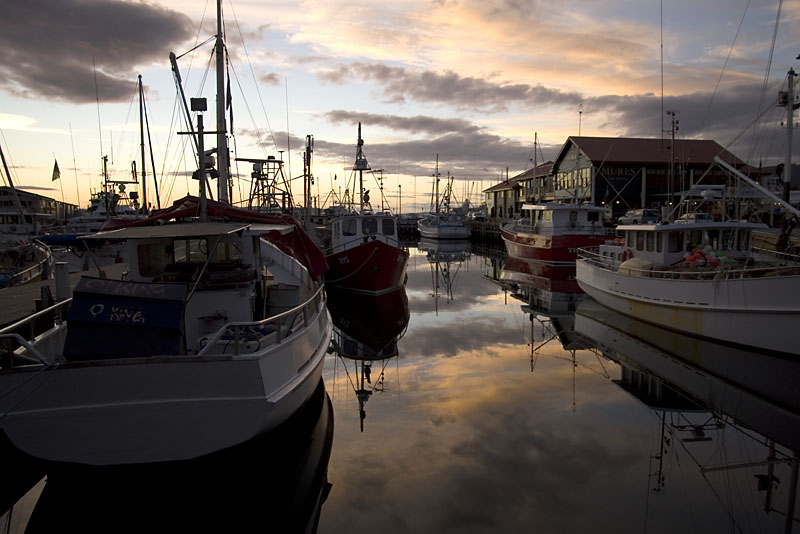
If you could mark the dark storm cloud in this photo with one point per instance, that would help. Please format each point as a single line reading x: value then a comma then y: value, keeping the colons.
x: 49, y: 48
x: 401, y: 84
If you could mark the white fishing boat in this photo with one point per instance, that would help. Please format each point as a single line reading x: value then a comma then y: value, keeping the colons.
x: 444, y: 222
x: 217, y: 334
x: 699, y: 277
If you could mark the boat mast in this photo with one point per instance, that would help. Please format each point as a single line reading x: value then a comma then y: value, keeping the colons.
x: 361, y: 165
x: 222, y: 139
x: 787, y: 166
x: 141, y: 144
x: 436, y: 183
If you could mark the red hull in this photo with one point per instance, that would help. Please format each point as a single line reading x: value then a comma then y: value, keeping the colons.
x: 555, y: 278
x: 549, y: 248
x: 373, y: 267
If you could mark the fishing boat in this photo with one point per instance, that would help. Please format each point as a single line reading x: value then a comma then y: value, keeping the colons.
x: 22, y: 262
x: 553, y: 232
x: 444, y: 221
x: 216, y: 334
x: 559, y: 278
x: 362, y: 247
x: 701, y: 277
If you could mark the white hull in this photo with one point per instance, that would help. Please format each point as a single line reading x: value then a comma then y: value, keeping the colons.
x: 160, y: 409
x: 444, y: 231
x: 759, y: 312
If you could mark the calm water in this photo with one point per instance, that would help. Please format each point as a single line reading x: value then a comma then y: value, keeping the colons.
x: 494, y: 398
x: 471, y: 429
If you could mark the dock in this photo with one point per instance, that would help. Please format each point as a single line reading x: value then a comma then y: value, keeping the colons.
x: 19, y: 302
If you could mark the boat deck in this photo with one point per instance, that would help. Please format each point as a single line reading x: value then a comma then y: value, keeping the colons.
x: 19, y: 302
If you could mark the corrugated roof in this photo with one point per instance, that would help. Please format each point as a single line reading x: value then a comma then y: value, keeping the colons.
x: 541, y: 170
x: 643, y: 150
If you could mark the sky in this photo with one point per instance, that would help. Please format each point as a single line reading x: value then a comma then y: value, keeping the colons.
x: 475, y: 84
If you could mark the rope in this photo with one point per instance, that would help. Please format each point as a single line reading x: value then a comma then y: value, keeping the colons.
x: 374, y: 250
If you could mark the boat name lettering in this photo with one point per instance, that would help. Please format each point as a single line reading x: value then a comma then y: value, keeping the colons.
x: 121, y: 288
x: 124, y: 315
x: 344, y: 260
x: 96, y: 310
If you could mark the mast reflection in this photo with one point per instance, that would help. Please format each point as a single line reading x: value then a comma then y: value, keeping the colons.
x: 366, y: 329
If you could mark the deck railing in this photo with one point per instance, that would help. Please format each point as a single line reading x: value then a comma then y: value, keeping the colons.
x: 789, y: 265
x: 249, y: 337
x: 573, y: 227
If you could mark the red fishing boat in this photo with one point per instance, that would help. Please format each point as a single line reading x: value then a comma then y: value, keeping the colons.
x: 363, y: 247
x: 553, y: 232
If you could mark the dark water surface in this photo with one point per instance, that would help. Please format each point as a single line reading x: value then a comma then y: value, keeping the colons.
x: 488, y: 396
x: 470, y: 428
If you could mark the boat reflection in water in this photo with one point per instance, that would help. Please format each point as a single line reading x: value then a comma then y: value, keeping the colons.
x: 446, y: 258
x: 716, y: 404
x: 366, y: 329
x: 276, y: 482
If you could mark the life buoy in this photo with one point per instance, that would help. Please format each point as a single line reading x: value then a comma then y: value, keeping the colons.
x: 626, y: 254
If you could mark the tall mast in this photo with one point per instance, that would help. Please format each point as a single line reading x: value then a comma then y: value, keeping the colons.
x: 222, y: 139
x: 141, y: 142
x: 787, y: 165
x: 14, y: 194
x: 436, y: 182
x: 361, y: 165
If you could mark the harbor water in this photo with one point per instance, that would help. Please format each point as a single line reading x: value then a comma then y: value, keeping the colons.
x: 486, y: 396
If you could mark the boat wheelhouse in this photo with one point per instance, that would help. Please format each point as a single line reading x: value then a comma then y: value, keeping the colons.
x: 553, y: 231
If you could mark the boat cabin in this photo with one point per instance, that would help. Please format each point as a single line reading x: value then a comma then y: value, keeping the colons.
x: 350, y: 231
x: 554, y: 218
x: 220, y: 266
x: 664, y: 245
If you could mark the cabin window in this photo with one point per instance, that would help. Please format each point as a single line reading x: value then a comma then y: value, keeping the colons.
x: 695, y: 239
x: 674, y: 243
x: 629, y: 239
x: 593, y: 216
x: 387, y: 226
x: 337, y: 228
x: 639, y: 240
x: 573, y: 215
x: 349, y: 227
x: 744, y: 240
x: 712, y: 238
x: 227, y: 251
x: 188, y: 250
x: 727, y: 239
x: 660, y: 242
x: 369, y: 226
x: 651, y: 241
x: 153, y: 257
x: 547, y: 215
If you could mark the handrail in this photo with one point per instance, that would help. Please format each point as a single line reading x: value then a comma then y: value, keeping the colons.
x: 40, y: 358
x: 538, y: 228
x: 238, y: 327
x: 720, y: 273
x: 55, y: 308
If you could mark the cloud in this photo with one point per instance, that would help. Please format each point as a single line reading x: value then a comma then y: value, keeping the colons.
x: 400, y: 84
x: 54, y: 50
x: 415, y: 124
x: 270, y: 78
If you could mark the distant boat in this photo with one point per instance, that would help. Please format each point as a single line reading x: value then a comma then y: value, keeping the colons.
x: 24, y: 262
x: 444, y: 222
x: 363, y: 247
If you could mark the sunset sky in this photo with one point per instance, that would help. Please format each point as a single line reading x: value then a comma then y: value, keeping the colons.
x: 471, y: 81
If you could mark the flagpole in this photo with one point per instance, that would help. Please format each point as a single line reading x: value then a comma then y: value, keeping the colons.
x: 57, y: 176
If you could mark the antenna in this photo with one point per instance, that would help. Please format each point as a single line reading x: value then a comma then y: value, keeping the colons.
x: 580, y: 114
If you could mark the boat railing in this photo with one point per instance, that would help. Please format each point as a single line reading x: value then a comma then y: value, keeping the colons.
x: 573, y: 227
x: 21, y: 334
x: 40, y: 267
x: 249, y: 337
x: 786, y: 267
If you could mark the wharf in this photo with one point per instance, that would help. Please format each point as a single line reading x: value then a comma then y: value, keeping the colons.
x: 485, y: 231
x: 18, y: 302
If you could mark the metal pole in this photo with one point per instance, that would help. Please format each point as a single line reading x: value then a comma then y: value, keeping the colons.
x: 141, y: 143
x: 222, y: 139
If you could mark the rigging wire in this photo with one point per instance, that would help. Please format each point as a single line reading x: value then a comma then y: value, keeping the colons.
x: 766, y: 78
x: 722, y: 72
